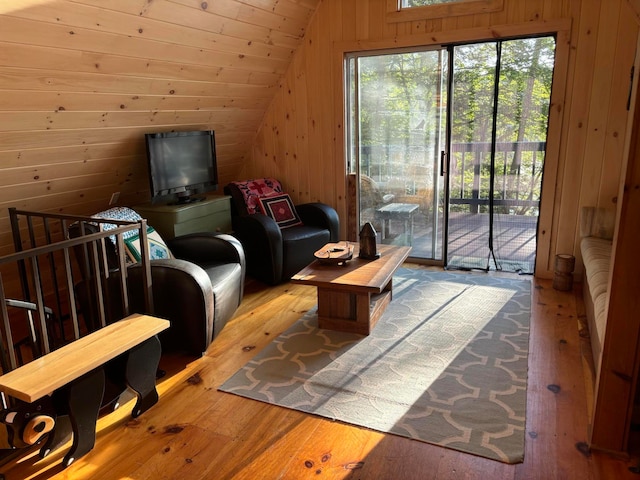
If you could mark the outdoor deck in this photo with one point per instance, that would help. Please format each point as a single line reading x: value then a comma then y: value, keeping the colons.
x: 514, y: 241
x: 516, y: 187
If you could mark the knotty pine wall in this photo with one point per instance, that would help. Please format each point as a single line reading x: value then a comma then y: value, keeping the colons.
x: 81, y: 81
x: 301, y: 138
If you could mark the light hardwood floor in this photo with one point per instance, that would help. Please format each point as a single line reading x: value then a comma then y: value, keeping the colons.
x: 198, y: 432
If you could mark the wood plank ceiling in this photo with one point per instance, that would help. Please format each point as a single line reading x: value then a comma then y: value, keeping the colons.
x: 81, y: 81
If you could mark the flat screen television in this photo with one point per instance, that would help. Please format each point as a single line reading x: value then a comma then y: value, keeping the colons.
x: 181, y: 165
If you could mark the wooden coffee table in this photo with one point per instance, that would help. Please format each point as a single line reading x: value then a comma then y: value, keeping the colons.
x: 351, y: 298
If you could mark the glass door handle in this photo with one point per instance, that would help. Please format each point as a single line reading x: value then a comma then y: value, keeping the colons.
x: 443, y: 155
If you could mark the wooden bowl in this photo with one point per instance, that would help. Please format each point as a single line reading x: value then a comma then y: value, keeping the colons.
x: 335, y: 253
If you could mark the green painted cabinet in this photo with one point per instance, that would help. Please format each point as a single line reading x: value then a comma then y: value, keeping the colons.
x: 213, y: 214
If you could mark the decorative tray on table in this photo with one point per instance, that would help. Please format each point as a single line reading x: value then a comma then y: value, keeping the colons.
x: 335, y: 253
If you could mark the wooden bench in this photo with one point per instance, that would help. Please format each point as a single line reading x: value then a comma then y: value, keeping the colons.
x: 71, y: 381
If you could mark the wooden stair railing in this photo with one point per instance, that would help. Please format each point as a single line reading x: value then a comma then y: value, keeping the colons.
x: 39, y: 274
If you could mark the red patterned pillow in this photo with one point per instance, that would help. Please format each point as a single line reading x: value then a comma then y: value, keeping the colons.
x: 252, y: 190
x: 281, y: 209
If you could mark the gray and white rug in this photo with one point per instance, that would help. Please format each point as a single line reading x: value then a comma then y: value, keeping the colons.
x: 446, y: 364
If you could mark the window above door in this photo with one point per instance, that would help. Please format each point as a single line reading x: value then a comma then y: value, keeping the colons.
x: 416, y: 10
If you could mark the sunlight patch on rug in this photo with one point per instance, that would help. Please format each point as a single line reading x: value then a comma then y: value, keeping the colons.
x: 446, y: 364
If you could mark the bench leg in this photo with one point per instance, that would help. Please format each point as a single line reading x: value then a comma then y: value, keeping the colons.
x: 60, y: 435
x: 78, y: 405
x: 142, y: 364
x: 85, y: 399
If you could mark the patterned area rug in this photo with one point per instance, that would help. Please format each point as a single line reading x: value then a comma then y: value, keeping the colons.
x: 446, y: 364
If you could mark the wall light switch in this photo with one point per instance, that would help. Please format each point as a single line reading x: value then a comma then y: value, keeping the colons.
x: 114, y: 198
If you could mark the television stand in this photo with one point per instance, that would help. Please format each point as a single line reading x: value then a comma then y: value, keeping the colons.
x: 210, y: 213
x: 187, y: 200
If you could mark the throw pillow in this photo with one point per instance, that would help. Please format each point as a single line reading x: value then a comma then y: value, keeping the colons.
x: 253, y: 190
x: 281, y: 209
x: 157, y: 248
x: 125, y: 214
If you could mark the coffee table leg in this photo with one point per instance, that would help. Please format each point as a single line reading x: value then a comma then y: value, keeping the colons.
x: 351, y: 312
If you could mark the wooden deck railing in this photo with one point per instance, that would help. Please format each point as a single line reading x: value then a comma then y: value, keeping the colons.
x: 516, y: 186
x: 518, y: 168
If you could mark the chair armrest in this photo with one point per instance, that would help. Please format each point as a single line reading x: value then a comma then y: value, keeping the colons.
x: 183, y: 294
x: 261, y: 239
x: 202, y: 248
x: 263, y: 227
x: 320, y: 215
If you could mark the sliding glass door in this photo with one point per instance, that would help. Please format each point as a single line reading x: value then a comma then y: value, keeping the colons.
x: 500, y: 96
x: 397, y: 131
x: 448, y: 145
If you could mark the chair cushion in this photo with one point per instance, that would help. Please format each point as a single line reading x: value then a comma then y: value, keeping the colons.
x: 281, y: 209
x: 596, y: 256
x: 253, y: 190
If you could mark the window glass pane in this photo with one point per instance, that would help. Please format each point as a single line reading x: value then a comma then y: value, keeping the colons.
x: 415, y: 10
x: 422, y: 3
x: 399, y: 127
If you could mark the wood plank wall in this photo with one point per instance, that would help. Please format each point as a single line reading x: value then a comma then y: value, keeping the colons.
x: 81, y: 81
x: 301, y: 138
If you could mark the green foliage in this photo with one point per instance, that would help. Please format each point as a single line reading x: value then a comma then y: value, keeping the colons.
x: 402, y: 108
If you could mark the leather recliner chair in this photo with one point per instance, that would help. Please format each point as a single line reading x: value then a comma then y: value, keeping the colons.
x: 198, y: 291
x: 275, y: 254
